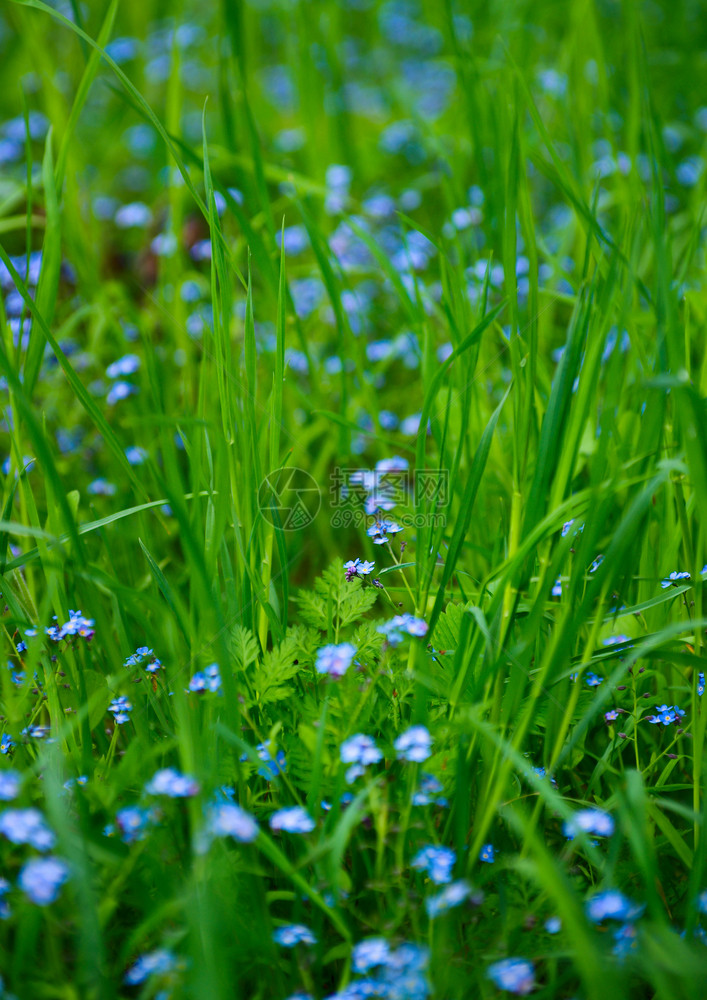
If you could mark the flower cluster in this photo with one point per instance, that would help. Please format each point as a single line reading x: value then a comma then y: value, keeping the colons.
x: 173, y: 784
x: 120, y: 708
x: 415, y: 744
x: 396, y: 629
x: 398, y: 973
x: 359, y: 751
x: 208, y: 679
x: 27, y: 826
x: 335, y: 660
x: 672, y: 579
x: 292, y: 935
x: 595, y: 821
x: 451, y: 896
x: 77, y: 624
x: 358, y: 568
x: 666, y: 715
x: 436, y: 863
x: 515, y: 975
x: 429, y: 792
x: 293, y: 819
x: 380, y: 530
x: 143, y: 656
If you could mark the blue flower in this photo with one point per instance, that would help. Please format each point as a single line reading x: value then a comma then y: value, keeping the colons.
x: 27, y: 826
x: 415, y: 744
x: 41, y: 879
x: 172, y: 783
x: 672, y: 578
x: 436, y: 862
x: 515, y: 975
x: 626, y: 940
x: 395, y: 629
x: 10, y: 782
x: 592, y: 680
x: 666, y: 715
x: 293, y: 934
x: 120, y: 708
x: 594, y: 821
x: 700, y: 684
x: 380, y: 530
x: 611, y: 905
x: 6, y: 743
x: 370, y: 953
x: 134, y: 823
x: 227, y: 819
x: 429, y: 791
x: 272, y: 765
x: 157, y: 962
x: 553, y: 925
x: 208, y: 679
x: 358, y: 567
x: 452, y: 895
x: 335, y: 660
x: 360, y: 751
x: 294, y: 819
x: 557, y: 587
x: 120, y: 390
x: 488, y: 853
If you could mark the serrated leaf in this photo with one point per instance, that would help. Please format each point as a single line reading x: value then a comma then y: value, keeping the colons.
x: 244, y: 647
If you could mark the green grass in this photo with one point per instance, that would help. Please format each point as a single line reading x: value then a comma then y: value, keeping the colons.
x: 522, y: 321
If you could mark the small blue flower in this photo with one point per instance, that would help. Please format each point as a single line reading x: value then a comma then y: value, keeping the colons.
x: 293, y: 934
x: 596, y: 564
x: 227, y: 819
x: 120, y: 708
x: 700, y: 684
x: 41, y: 879
x: 358, y: 567
x: 208, y: 679
x: 452, y: 895
x: 380, y: 531
x: 294, y: 819
x: 515, y: 975
x: 158, y: 962
x: 436, y: 862
x: 27, y: 826
x: 173, y: 784
x: 488, y: 853
x: 429, y: 791
x: 272, y: 766
x: 557, y: 587
x: 626, y: 940
x: 10, y: 782
x: 673, y: 578
x: 134, y: 823
x: 335, y: 660
x: 595, y: 821
x: 553, y: 925
x: 592, y: 680
x: 359, y: 751
x: 415, y: 744
x: 370, y: 953
x: 395, y: 629
x: 611, y: 905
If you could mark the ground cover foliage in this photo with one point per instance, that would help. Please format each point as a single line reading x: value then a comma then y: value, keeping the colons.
x: 352, y: 543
